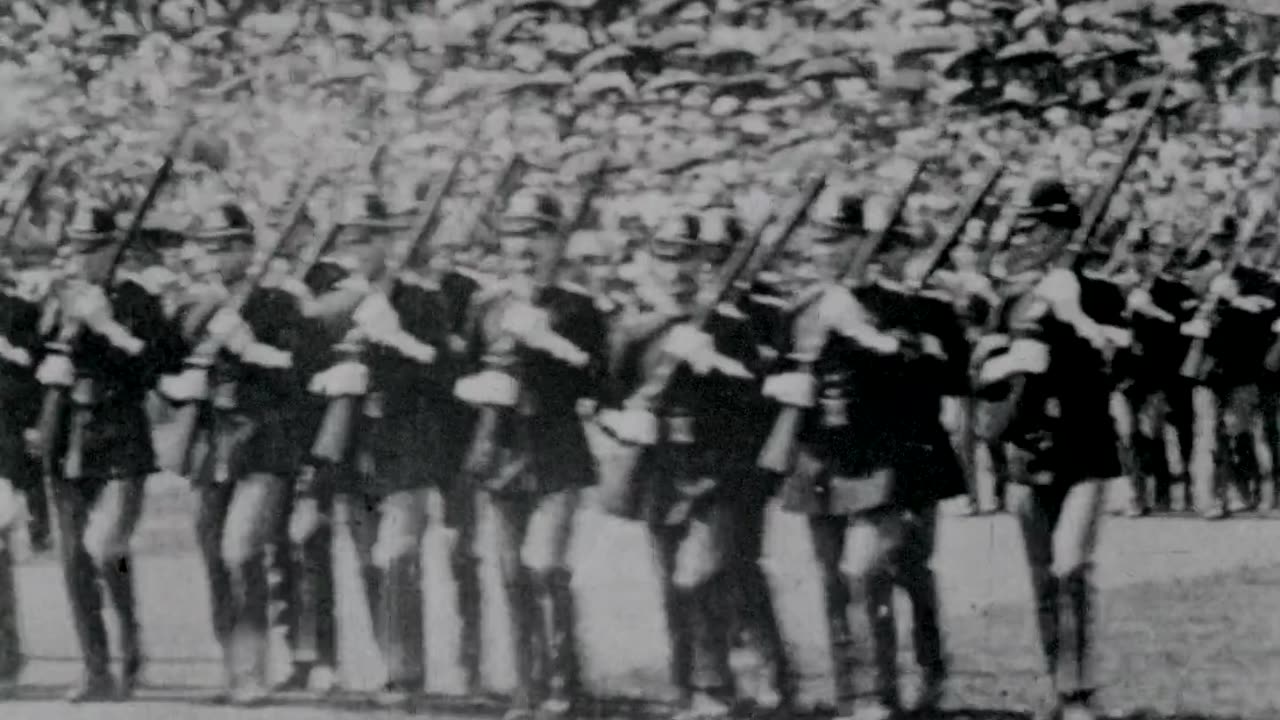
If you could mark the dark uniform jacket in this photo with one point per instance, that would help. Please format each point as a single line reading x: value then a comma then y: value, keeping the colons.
x: 541, y: 444
x: 1063, y: 421
x: 708, y: 429
x: 110, y: 433
x: 20, y: 394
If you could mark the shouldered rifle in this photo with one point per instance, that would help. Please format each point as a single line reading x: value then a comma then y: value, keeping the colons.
x: 938, y: 253
x: 186, y: 415
x: 482, y: 451
x: 334, y: 435
x: 778, y: 453
x: 618, y: 493
x: 1197, y: 364
x: 50, y: 424
x: 15, y: 218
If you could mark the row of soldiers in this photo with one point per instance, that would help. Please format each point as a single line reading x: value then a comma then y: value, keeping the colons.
x: 707, y: 390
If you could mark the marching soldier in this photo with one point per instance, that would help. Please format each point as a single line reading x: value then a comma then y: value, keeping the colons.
x: 755, y: 620
x: 1225, y: 392
x: 1063, y: 444
x: 108, y: 345
x: 248, y: 398
x: 20, y: 472
x: 695, y: 448
x: 873, y: 459
x: 538, y: 351
x: 397, y: 447
x: 307, y: 575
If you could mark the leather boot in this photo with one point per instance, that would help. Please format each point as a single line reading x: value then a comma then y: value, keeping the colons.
x: 371, y: 580
x: 840, y: 638
x: 921, y: 587
x: 10, y: 631
x: 466, y: 576
x: 86, y: 610
x: 884, y: 636
x: 402, y: 613
x: 560, y: 620
x: 677, y: 607
x: 524, y: 620
x: 118, y: 578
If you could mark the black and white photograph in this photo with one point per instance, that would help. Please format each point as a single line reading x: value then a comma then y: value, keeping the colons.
x: 640, y: 359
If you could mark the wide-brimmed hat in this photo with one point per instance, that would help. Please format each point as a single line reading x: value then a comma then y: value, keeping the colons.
x: 836, y: 217
x: 227, y: 222
x: 92, y: 226
x: 1050, y: 201
x: 531, y: 211
x: 676, y: 238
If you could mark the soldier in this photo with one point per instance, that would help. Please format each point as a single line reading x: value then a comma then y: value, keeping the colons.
x: 108, y: 346
x: 1063, y: 445
x: 252, y: 391
x: 694, y: 447
x: 1225, y: 393
x: 20, y: 472
x: 307, y: 538
x: 538, y: 351
x: 1157, y: 395
x: 398, y: 446
x: 873, y: 457
x: 755, y: 621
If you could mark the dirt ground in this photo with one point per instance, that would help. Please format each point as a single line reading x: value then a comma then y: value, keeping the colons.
x: 1187, y: 622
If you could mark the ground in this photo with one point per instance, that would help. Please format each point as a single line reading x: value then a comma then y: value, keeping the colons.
x: 1186, y: 623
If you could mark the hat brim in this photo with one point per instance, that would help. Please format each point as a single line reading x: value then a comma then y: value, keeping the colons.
x: 90, y: 240
x: 527, y: 226
x: 226, y: 234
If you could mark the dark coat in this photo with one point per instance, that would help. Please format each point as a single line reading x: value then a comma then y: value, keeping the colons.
x: 709, y: 425
x: 875, y: 437
x: 111, y: 433
x: 20, y: 394
x: 542, y: 445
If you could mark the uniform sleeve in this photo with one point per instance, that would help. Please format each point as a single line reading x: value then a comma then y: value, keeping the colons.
x: 142, y: 315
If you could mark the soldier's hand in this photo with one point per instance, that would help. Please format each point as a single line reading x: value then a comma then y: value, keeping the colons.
x: 56, y: 371
x: 231, y: 330
x: 89, y: 304
x: 1196, y: 328
x: 376, y: 317
x: 525, y: 321
x: 305, y: 520
x: 796, y: 389
x: 8, y: 505
x: 1138, y: 298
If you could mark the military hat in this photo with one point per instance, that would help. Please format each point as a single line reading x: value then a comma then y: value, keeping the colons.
x: 720, y: 227
x: 531, y: 210
x: 1050, y: 201
x: 226, y: 222
x: 92, y: 226
x: 676, y: 239
x: 836, y: 217
x: 366, y: 208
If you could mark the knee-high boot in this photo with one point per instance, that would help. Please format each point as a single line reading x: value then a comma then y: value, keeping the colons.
x: 877, y: 597
x: 1075, y: 671
x: 466, y: 574
x: 840, y: 637
x: 117, y: 576
x: 525, y: 623
x: 10, y: 630
x: 560, y: 620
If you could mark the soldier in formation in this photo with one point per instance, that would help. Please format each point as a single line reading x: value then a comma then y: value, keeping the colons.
x: 340, y: 388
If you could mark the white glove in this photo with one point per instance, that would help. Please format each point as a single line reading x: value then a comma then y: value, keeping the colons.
x: 305, y: 520
x: 295, y: 287
x: 88, y: 304
x: 1196, y: 328
x: 697, y: 348
x: 488, y: 387
x: 412, y: 348
x: 266, y: 356
x: 796, y: 389
x: 1275, y: 326
x: 13, y: 354
x: 376, y: 318
x: 9, y: 504
x: 1138, y: 298
x: 525, y: 321
x: 632, y: 425
x: 1224, y: 286
x: 231, y: 330
x: 346, y: 379
x: 187, y: 386
x: 56, y: 371
x: 1117, y: 337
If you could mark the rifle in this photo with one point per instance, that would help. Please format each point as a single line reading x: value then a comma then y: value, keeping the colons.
x: 33, y: 189
x: 482, y: 451
x: 186, y: 415
x: 779, y: 450
x: 617, y: 491
x: 334, y: 435
x: 938, y: 253
x: 50, y: 422
x: 1196, y: 365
